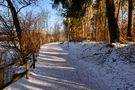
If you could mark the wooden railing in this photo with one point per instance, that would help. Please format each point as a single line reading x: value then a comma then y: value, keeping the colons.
x: 6, y: 65
x: 15, y: 77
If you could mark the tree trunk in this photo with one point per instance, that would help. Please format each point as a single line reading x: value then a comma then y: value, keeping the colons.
x: 83, y: 29
x: 1, y: 77
x: 112, y: 21
x: 130, y: 6
x: 118, y: 10
x: 34, y: 60
x: 68, y: 29
x: 15, y: 18
x: 28, y: 70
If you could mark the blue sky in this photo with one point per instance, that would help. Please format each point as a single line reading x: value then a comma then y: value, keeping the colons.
x: 45, y: 5
x: 53, y: 14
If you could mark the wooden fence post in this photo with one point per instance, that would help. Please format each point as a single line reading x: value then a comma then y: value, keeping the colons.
x: 1, y: 76
x: 28, y: 70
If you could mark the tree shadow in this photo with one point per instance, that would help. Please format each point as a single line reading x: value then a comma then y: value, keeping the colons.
x: 53, y: 72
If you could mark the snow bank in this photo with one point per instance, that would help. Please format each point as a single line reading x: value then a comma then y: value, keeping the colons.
x: 110, y: 67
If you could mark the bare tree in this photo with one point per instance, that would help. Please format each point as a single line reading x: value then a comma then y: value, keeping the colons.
x: 18, y: 37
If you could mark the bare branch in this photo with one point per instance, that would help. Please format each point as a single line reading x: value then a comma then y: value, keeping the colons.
x: 23, y: 7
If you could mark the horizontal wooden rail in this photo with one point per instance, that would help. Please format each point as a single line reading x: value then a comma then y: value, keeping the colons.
x: 15, y: 78
x: 4, y: 65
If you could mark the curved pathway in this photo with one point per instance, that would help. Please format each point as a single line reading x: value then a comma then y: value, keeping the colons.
x: 53, y: 72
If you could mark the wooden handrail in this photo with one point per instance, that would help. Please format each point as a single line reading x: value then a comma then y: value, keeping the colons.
x: 7, y: 65
x: 15, y: 78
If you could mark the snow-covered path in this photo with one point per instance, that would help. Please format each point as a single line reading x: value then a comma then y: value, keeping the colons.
x: 53, y: 72
x: 81, y: 66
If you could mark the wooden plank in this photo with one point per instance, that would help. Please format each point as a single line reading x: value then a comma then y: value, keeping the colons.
x: 4, y: 66
x: 1, y: 77
x: 15, y: 78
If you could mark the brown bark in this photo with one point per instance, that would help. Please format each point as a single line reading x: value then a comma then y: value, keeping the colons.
x: 118, y: 10
x: 1, y: 77
x: 130, y: 6
x: 15, y: 18
x: 34, y: 60
x: 69, y: 31
x: 112, y: 21
x: 28, y: 70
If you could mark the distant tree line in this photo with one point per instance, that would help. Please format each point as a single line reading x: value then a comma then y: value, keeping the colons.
x: 98, y: 20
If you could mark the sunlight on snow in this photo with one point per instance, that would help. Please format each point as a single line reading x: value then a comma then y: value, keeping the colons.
x: 53, y: 53
x: 60, y: 67
x: 58, y: 80
x: 53, y: 59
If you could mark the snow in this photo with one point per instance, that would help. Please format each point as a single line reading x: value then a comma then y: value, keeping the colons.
x: 52, y: 72
x: 82, y: 66
x: 7, y: 57
x: 115, y: 67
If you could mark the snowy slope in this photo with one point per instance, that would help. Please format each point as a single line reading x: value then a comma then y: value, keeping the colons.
x: 114, y: 67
